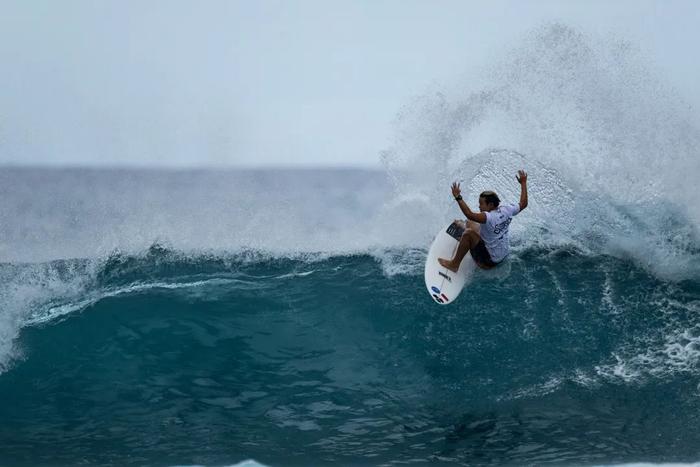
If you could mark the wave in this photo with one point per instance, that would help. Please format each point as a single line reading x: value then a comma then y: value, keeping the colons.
x: 41, y: 294
x: 552, y: 325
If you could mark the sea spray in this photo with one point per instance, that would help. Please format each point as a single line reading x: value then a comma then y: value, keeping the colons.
x: 607, y: 141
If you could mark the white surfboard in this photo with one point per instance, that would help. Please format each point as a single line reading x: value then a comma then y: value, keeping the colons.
x: 444, y: 285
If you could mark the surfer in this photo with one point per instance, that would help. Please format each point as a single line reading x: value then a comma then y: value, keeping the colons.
x: 490, y: 245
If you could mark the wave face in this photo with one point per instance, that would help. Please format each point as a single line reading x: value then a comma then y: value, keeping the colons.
x: 566, y: 359
x: 208, y: 317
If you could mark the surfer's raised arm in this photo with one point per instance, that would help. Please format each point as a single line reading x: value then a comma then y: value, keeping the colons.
x: 488, y: 244
x: 479, y: 217
x: 522, y: 179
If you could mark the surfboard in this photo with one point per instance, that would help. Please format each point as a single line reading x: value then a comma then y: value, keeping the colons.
x: 443, y: 285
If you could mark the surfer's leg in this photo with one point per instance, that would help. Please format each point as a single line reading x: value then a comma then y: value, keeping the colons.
x: 469, y: 239
x: 474, y: 226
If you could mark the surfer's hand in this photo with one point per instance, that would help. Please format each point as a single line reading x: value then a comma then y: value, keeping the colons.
x: 521, y: 177
x: 455, y: 189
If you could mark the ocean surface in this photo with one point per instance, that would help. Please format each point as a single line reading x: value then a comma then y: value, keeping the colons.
x: 209, y: 317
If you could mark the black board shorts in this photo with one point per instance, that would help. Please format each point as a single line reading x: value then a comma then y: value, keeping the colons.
x: 481, y: 255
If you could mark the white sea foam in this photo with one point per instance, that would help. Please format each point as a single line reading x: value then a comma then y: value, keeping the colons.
x: 24, y: 289
x: 678, y: 352
x: 605, y: 141
x: 655, y: 354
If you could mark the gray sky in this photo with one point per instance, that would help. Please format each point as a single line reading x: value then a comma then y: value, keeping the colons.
x: 250, y: 83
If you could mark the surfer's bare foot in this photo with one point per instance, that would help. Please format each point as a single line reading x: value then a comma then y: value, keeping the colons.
x: 448, y: 264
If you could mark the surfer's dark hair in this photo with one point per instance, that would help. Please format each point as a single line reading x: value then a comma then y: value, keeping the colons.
x: 490, y: 197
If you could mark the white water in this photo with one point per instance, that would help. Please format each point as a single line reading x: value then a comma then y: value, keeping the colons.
x: 611, y: 151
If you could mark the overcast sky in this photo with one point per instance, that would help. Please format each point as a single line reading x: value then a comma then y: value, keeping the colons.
x: 250, y: 83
